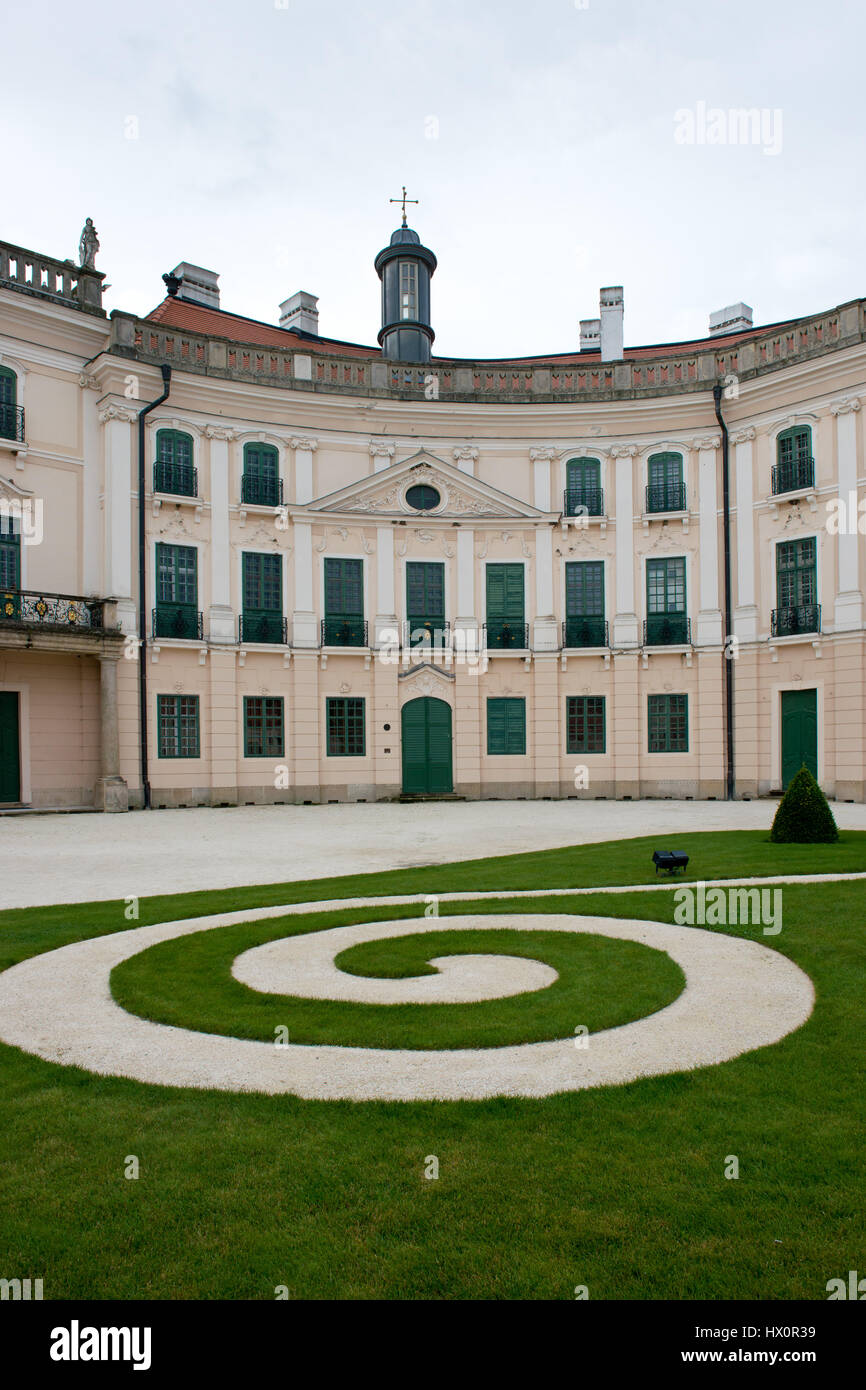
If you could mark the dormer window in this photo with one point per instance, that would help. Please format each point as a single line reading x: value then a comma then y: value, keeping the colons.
x: 408, y: 290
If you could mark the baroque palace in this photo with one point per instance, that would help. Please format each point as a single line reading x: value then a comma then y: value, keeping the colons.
x: 243, y: 563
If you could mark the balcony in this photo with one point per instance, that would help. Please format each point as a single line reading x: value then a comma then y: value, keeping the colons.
x: 12, y: 422
x: 504, y: 634
x: 264, y: 627
x: 583, y: 501
x: 181, y: 479
x: 344, y: 632
x: 261, y: 492
x: 176, y: 620
x: 584, y: 632
x: 793, y: 475
x: 667, y: 630
x: 427, y: 632
x: 666, y: 497
x: 790, y: 622
x: 59, y: 612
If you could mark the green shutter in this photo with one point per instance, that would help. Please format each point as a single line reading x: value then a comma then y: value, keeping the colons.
x: 506, y: 725
x: 10, y: 554
x: 262, y: 585
x: 426, y: 747
x: 584, y: 589
x: 505, y: 592
x: 10, y: 757
x: 799, y: 733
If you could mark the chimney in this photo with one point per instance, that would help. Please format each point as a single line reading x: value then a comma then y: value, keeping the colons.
x: 299, y: 313
x: 611, y: 309
x: 734, y: 319
x: 197, y: 285
x: 590, y: 335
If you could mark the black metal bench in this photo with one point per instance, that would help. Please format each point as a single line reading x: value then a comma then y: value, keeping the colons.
x: 670, y: 860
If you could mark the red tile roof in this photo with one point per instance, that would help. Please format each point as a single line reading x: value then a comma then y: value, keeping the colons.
x: 217, y: 323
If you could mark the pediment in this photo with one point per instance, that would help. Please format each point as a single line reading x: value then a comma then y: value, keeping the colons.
x: 384, y: 494
x: 12, y: 491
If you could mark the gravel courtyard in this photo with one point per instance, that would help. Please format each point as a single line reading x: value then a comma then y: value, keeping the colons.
x: 82, y: 858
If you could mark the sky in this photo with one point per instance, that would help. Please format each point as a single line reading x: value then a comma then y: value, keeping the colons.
x: 555, y: 147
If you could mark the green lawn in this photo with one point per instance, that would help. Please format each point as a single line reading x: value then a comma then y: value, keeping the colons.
x: 621, y: 1189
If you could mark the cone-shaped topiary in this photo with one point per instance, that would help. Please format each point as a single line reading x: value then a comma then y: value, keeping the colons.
x: 803, y: 817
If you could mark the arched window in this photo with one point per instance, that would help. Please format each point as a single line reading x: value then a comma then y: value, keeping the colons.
x: 795, y: 466
x: 173, y: 471
x: 11, y: 414
x: 666, y: 490
x: 261, y: 484
x: 583, y: 494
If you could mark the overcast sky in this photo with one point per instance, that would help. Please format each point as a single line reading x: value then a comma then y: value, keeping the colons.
x: 262, y: 139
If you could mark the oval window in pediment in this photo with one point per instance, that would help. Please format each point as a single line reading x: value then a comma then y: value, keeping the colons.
x: 422, y: 497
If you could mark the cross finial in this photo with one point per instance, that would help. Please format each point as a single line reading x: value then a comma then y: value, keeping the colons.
x: 404, y: 200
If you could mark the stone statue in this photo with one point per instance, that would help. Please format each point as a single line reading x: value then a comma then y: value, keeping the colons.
x: 88, y: 246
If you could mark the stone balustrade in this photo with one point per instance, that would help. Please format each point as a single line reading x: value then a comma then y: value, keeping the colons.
x: 61, y: 281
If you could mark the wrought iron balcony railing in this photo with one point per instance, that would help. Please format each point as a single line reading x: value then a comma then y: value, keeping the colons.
x: 666, y: 497
x: 427, y: 632
x: 263, y: 627
x: 12, y: 422
x: 261, y: 492
x: 667, y: 630
x: 175, y: 620
x: 584, y: 632
x: 344, y: 632
x: 802, y: 617
x: 181, y: 479
x: 793, y: 475
x: 583, y: 501
x: 32, y: 608
x: 504, y: 633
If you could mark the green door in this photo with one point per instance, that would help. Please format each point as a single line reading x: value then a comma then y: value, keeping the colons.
x: 426, y: 742
x: 799, y: 732
x: 10, y: 773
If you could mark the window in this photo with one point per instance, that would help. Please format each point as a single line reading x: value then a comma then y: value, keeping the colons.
x: 176, y: 592
x: 584, y: 720
x: 261, y: 483
x: 343, y: 624
x: 262, y: 581
x: 797, y: 607
x: 795, y: 466
x: 584, y: 604
x: 10, y: 553
x: 425, y: 600
x: 11, y: 415
x: 583, y: 494
x: 668, y: 723
x: 177, y: 723
x: 506, y: 725
x: 173, y: 470
x: 506, y: 626
x: 666, y: 491
x: 408, y: 290
x: 345, y: 728
x: 666, y: 602
x: 263, y: 726
x: 423, y: 497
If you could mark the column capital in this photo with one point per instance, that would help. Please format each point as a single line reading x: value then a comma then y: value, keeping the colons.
x: 543, y: 454
x: 220, y: 432
x: 705, y: 442
x: 467, y: 452
x: 846, y: 405
x: 744, y: 436
x: 299, y: 441
x: 112, y: 411
x: 623, y: 451
x: 379, y: 449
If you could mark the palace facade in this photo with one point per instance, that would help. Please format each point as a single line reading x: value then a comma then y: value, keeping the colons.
x: 369, y: 572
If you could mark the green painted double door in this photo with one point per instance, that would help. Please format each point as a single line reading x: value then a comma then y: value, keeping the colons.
x: 426, y: 747
x: 10, y: 761
x: 799, y: 733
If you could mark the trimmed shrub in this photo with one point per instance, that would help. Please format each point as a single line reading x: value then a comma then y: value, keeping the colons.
x: 803, y: 817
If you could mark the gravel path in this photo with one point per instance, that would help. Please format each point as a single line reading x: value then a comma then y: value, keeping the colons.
x: 83, y: 858
x: 739, y: 995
